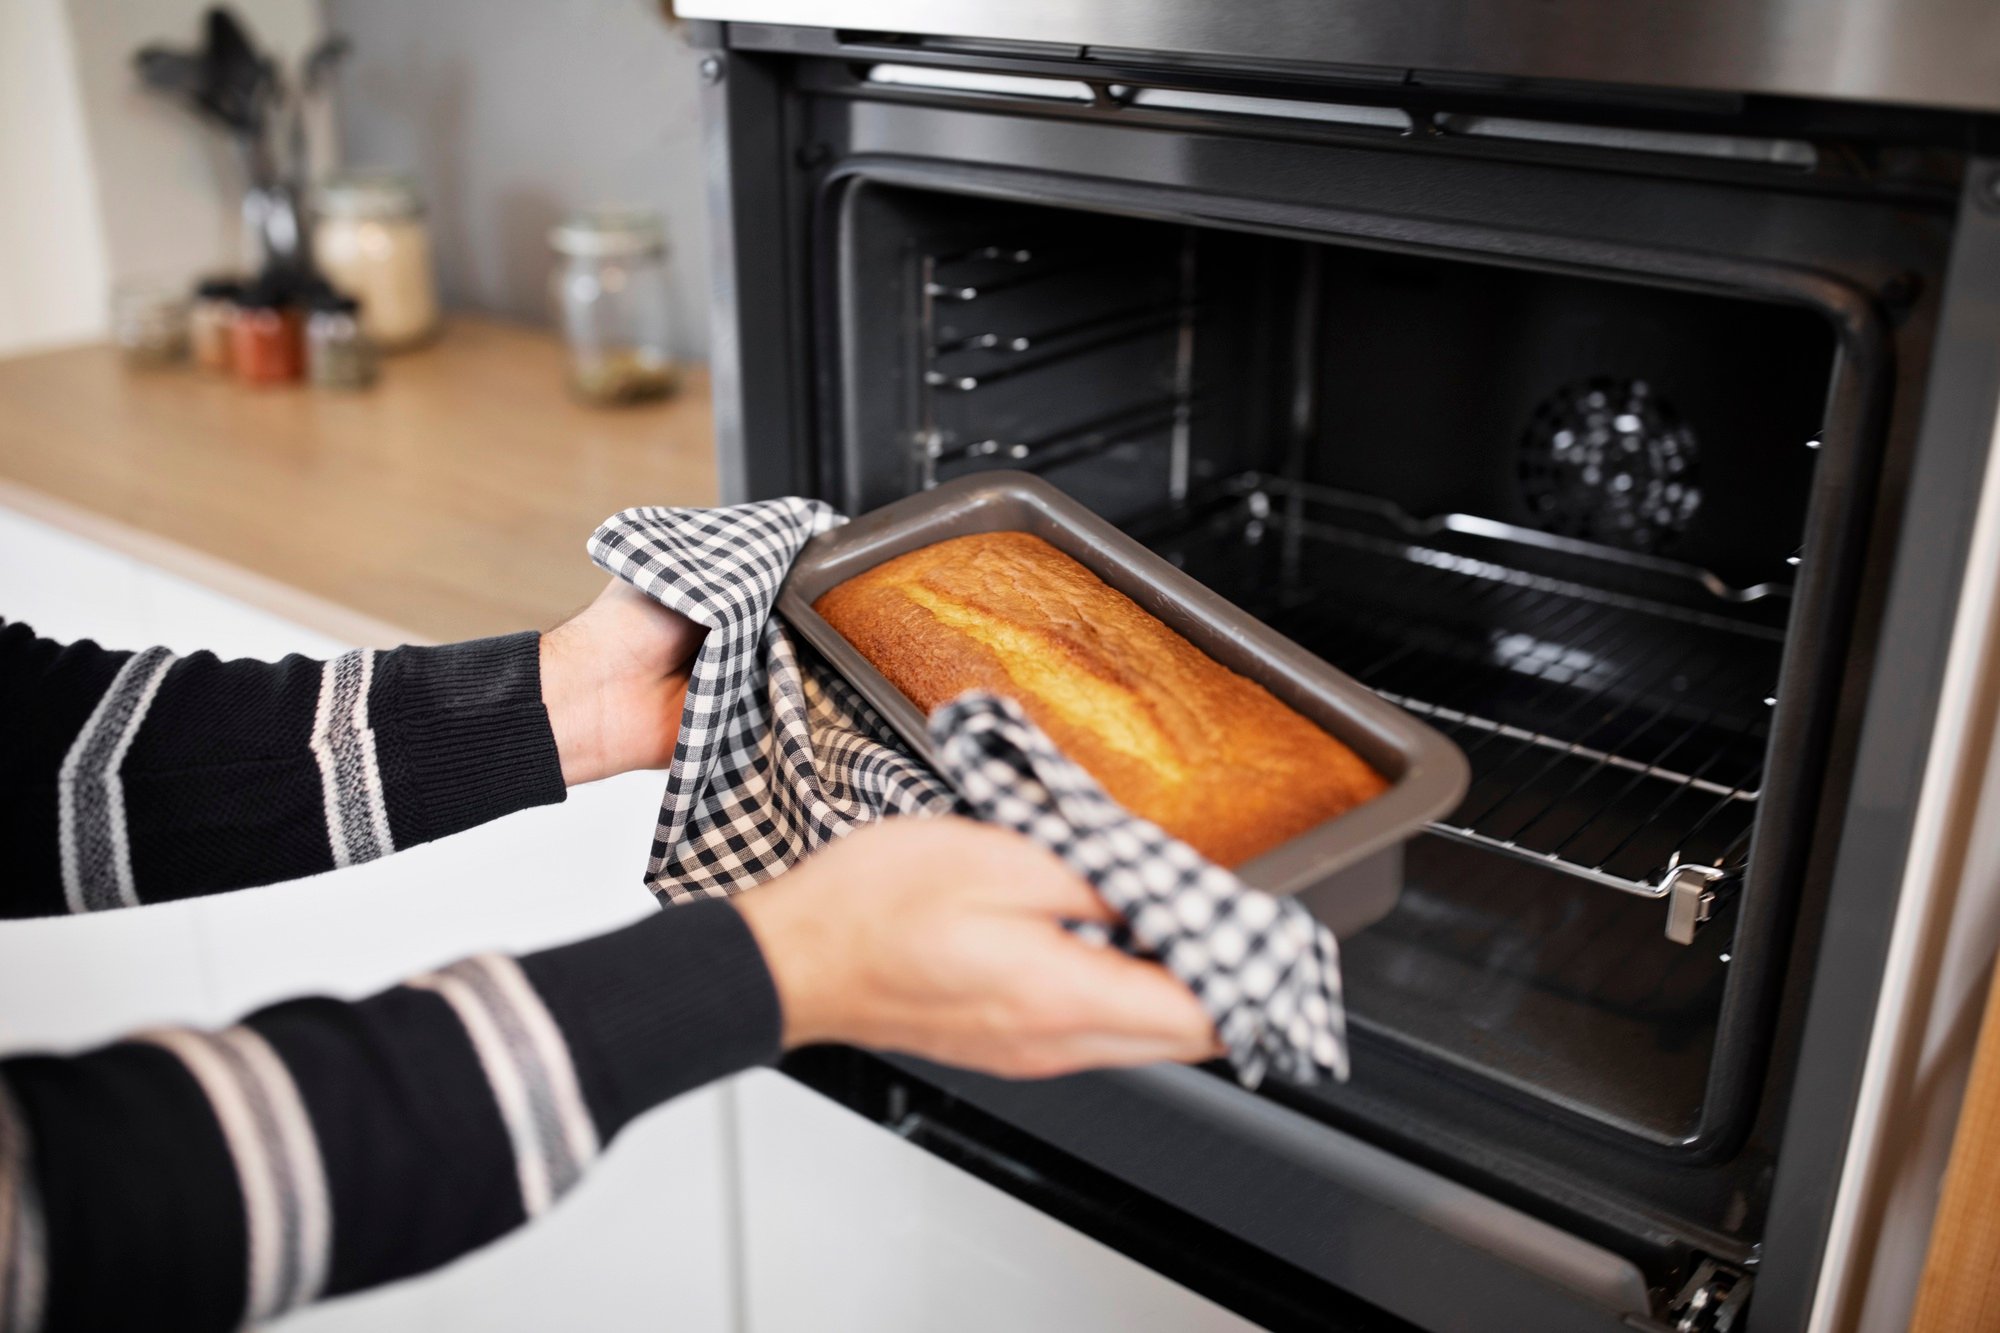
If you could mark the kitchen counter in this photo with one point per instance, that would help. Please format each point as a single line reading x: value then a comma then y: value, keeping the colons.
x: 451, y: 500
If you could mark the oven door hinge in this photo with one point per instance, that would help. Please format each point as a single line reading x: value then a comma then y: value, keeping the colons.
x: 1691, y: 898
x: 1713, y: 1300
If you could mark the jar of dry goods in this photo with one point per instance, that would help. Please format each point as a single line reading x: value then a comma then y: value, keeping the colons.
x: 371, y: 241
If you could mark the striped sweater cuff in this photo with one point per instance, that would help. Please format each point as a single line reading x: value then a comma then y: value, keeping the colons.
x: 463, y: 735
x: 673, y: 1001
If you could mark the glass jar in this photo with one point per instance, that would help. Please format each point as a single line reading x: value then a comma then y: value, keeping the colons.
x: 338, y: 353
x: 149, y: 321
x: 610, y: 288
x: 210, y: 323
x: 371, y: 241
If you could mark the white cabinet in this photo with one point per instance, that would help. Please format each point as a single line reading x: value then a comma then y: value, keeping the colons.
x: 847, y: 1226
x: 643, y: 1243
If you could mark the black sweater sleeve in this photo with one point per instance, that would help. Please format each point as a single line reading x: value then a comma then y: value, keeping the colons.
x: 128, y: 778
x: 207, y: 1180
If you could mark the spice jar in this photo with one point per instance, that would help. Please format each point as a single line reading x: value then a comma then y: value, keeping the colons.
x: 372, y: 242
x: 211, y: 323
x: 265, y: 344
x: 338, y: 353
x: 610, y: 289
x: 149, y: 321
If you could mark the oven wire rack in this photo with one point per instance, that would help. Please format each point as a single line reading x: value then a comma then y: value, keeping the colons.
x: 1613, y: 737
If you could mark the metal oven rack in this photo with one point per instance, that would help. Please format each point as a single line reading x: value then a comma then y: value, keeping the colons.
x: 1616, y: 737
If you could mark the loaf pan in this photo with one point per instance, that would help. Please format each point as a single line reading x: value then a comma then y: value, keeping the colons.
x: 1349, y: 870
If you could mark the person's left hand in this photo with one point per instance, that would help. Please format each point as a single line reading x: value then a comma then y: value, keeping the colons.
x: 614, y: 677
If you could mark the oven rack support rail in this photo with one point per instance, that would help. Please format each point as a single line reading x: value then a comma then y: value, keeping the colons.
x: 964, y: 353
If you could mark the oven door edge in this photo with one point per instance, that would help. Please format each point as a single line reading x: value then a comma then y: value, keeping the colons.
x: 1337, y: 1209
x: 1901, y: 845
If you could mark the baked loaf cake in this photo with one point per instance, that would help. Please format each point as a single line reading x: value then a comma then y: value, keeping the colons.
x: 1174, y: 736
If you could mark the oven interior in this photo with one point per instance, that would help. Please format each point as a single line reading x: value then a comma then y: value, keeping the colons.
x: 1560, y: 514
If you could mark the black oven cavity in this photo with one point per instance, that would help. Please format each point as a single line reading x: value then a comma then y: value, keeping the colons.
x: 1559, y: 516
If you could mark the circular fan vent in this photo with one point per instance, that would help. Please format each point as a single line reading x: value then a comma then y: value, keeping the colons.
x: 1608, y: 461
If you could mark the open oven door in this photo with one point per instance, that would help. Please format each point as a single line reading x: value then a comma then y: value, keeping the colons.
x: 1412, y: 1244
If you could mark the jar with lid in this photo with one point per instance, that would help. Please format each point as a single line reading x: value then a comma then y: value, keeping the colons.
x: 149, y: 321
x: 338, y: 353
x: 610, y: 288
x: 370, y: 239
x: 211, y: 323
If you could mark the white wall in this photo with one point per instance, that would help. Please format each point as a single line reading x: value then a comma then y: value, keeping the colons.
x: 53, y: 273
x: 101, y: 180
x: 170, y: 190
x: 510, y: 115
x: 515, y: 114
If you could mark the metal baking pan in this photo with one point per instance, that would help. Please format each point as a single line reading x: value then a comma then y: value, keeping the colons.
x: 1347, y: 870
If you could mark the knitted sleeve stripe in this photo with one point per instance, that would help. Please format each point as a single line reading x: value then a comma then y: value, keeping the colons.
x: 208, y: 1180
x: 350, y: 773
x: 528, y: 1068
x: 96, y: 850
x: 288, y: 1221
x: 144, y: 777
x: 527, y: 1081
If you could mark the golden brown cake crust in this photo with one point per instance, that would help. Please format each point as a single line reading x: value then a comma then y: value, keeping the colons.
x: 1174, y: 736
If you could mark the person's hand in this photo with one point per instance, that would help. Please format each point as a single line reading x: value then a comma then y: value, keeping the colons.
x: 943, y: 938
x: 614, y: 677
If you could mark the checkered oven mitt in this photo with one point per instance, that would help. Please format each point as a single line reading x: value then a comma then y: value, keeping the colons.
x: 778, y: 756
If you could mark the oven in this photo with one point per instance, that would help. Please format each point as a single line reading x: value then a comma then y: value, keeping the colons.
x: 1630, y: 431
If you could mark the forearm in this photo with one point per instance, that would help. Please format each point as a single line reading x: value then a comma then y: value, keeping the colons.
x: 134, y: 778
x: 323, y: 1147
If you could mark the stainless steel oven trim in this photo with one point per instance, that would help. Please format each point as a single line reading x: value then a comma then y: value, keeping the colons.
x: 1961, y: 742
x: 1917, y: 52
x: 1853, y: 1040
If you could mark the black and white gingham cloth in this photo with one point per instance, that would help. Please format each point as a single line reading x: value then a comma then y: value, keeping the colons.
x: 778, y: 756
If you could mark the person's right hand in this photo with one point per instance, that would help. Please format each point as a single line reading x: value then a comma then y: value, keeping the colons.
x: 943, y: 938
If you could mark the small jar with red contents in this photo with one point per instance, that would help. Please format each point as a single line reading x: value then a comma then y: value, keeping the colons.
x: 267, y: 343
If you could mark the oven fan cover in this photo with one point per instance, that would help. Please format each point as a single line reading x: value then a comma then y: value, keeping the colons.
x: 1608, y: 460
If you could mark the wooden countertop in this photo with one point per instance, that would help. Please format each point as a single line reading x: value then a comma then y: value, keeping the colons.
x: 451, y: 500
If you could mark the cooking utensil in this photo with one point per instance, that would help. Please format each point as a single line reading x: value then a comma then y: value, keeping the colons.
x: 1348, y: 870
